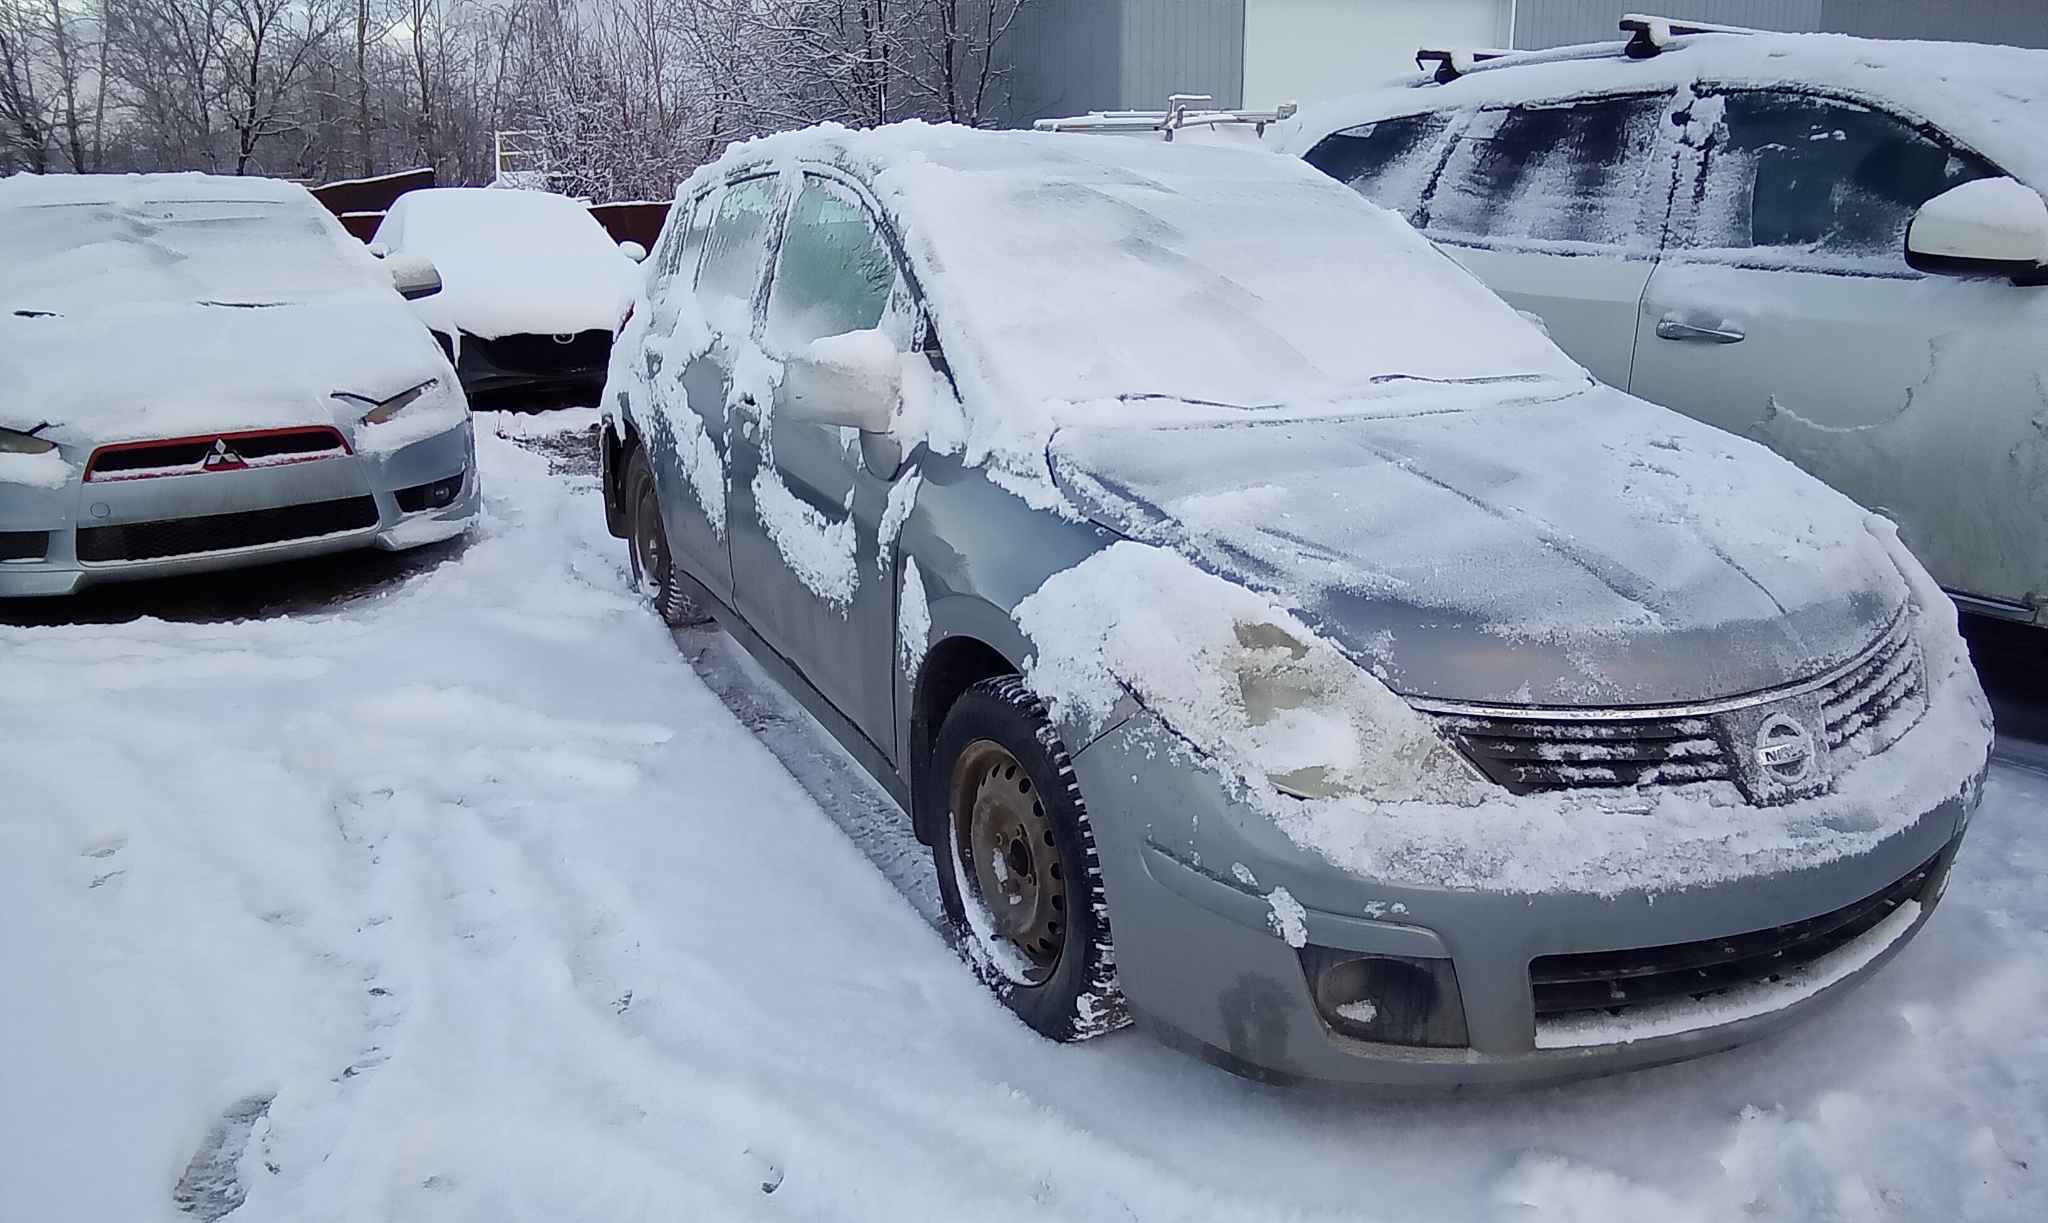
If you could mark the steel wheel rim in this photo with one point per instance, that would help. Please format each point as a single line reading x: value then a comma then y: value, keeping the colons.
x: 650, y: 549
x: 1003, y: 835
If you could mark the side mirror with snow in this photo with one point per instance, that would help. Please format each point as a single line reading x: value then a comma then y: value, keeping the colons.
x: 1993, y: 226
x: 414, y: 276
x: 633, y: 250
x: 853, y: 380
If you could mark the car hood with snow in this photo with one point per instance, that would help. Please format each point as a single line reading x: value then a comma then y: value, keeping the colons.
x: 512, y: 262
x: 1571, y: 548
x: 166, y: 305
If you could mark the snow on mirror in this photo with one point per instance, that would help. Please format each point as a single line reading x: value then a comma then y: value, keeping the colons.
x: 852, y: 380
x: 1992, y: 221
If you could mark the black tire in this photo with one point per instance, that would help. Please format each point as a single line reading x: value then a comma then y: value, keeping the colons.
x: 998, y: 753
x: 654, y: 571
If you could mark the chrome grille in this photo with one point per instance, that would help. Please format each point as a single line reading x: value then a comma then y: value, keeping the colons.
x: 1890, y: 678
x: 1538, y: 753
x: 1864, y: 705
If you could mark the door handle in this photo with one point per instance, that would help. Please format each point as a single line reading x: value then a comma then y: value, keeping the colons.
x: 1679, y: 329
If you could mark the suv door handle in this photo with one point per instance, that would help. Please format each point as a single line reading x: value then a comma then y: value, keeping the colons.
x: 1679, y: 329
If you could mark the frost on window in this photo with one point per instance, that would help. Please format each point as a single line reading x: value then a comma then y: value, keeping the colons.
x: 1571, y: 173
x: 733, y: 254
x: 835, y: 273
x: 1389, y: 162
x: 1819, y: 176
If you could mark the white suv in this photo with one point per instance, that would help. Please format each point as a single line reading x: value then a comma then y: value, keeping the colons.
x: 1833, y: 245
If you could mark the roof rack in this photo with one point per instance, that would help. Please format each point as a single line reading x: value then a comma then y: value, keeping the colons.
x: 1454, y: 62
x: 1650, y: 34
x: 1183, y: 110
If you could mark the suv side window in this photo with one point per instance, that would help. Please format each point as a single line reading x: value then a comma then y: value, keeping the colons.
x: 1572, y: 172
x: 835, y: 272
x: 1808, y: 175
x: 734, y: 250
x: 1389, y: 162
x: 685, y: 240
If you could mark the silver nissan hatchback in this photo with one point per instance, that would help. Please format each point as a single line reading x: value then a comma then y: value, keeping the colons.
x: 1277, y: 641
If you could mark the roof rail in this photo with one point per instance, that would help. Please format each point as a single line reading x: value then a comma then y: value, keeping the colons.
x: 1650, y: 34
x: 1454, y: 62
x: 1183, y: 110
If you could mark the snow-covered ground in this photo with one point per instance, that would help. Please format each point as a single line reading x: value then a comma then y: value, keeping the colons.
x: 470, y: 899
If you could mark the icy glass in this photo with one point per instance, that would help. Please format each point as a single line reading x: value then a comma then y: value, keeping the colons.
x: 1816, y: 174
x: 1388, y: 162
x: 1572, y: 173
x: 238, y: 252
x: 835, y: 271
x: 733, y: 253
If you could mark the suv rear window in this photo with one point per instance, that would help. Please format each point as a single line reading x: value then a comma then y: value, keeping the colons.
x: 1820, y: 175
x: 1389, y: 162
x: 1568, y: 173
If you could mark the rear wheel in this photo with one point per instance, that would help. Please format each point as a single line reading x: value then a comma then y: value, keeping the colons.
x: 1017, y: 863
x: 647, y: 544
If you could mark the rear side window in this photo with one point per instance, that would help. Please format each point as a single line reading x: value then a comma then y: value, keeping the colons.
x: 1571, y: 173
x: 734, y: 250
x: 684, y: 241
x: 1389, y: 162
x: 1805, y: 175
x: 835, y: 272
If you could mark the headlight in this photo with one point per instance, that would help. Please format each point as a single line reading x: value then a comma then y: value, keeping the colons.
x: 14, y: 441
x: 382, y: 410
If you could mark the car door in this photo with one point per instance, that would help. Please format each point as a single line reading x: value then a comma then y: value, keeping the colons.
x: 700, y: 330
x: 1560, y: 209
x: 1784, y: 310
x: 812, y: 577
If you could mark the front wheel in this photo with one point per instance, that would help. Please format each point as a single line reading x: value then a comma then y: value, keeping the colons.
x: 647, y: 544
x: 1017, y: 863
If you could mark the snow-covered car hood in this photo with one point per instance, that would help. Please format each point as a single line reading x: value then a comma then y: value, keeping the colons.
x: 1582, y: 549
x: 506, y: 293
x: 173, y: 369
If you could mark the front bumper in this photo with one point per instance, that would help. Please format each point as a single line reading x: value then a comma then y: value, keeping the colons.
x: 332, y: 505
x: 1190, y: 873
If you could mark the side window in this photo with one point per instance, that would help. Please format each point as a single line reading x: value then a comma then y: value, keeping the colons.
x: 1813, y: 175
x: 835, y: 273
x: 1389, y: 162
x: 1576, y: 172
x: 734, y: 249
x: 677, y: 249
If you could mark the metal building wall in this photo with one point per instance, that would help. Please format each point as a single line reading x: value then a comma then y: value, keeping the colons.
x: 1550, y: 23
x: 1182, y: 46
x: 1062, y: 57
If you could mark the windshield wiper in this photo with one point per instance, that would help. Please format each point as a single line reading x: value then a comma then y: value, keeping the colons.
x: 242, y: 305
x: 36, y: 314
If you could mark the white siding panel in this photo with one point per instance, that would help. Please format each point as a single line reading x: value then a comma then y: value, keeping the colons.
x: 1311, y: 50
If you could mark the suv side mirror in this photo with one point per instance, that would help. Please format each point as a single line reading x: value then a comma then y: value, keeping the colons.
x: 853, y: 380
x: 1993, y: 226
x: 414, y: 276
x: 633, y: 250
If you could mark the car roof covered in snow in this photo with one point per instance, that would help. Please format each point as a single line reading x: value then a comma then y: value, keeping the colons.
x: 1993, y: 99
x: 1065, y: 270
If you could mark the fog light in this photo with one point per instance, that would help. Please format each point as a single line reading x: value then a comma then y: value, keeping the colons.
x: 1396, y: 1000
x: 434, y: 496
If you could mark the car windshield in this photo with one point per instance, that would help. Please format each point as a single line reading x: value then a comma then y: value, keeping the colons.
x: 1093, y: 271
x: 75, y: 257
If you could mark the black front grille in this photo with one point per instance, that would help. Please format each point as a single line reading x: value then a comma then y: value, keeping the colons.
x: 24, y: 545
x: 545, y: 353
x: 1526, y: 754
x: 1614, y: 981
x: 139, y: 541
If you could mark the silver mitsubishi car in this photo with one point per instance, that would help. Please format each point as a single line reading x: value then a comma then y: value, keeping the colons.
x: 1276, y: 640
x: 200, y: 372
